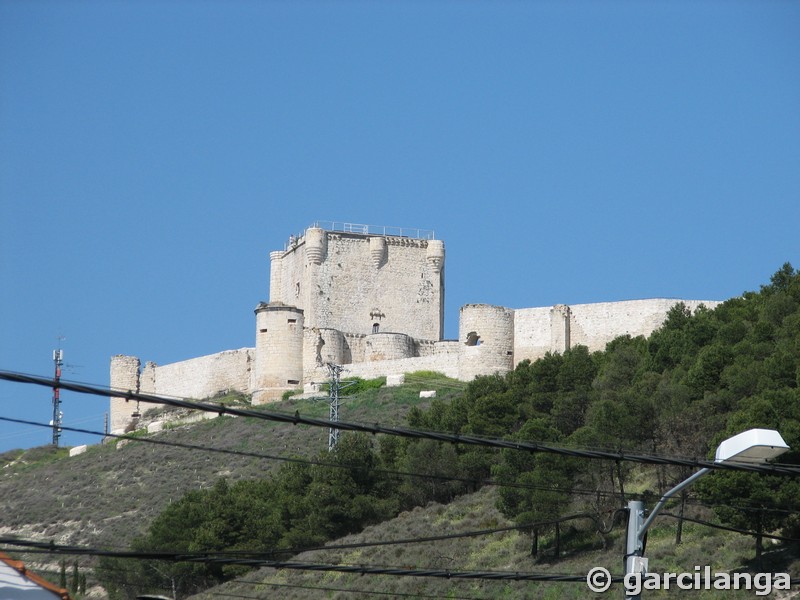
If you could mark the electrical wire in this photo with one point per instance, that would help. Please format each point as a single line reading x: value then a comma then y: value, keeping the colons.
x: 207, y: 558
x: 732, y: 529
x: 119, y: 579
x: 449, y: 536
x: 475, y: 482
x: 297, y: 419
x: 37, y: 548
x: 247, y: 454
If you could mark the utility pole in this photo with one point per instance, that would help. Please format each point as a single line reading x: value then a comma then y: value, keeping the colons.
x: 58, y: 359
x: 336, y: 386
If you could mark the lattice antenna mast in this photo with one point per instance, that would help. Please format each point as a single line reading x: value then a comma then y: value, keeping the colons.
x: 336, y: 386
x: 58, y: 360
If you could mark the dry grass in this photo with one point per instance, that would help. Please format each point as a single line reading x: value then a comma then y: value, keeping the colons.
x: 108, y: 495
x: 508, y: 551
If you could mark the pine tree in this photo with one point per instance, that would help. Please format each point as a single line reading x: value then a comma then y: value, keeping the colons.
x: 73, y: 585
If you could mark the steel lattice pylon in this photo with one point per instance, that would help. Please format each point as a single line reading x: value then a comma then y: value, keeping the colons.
x: 333, y: 433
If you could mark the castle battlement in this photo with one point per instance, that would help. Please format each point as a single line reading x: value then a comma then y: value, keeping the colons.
x: 372, y: 299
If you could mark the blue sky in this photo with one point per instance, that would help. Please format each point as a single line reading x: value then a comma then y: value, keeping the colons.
x: 153, y: 153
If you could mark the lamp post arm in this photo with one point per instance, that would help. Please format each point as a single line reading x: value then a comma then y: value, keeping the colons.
x: 657, y: 508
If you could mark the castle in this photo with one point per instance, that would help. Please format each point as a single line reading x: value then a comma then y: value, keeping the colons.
x: 372, y: 299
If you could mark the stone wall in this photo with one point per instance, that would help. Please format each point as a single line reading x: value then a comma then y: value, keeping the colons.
x: 195, y: 378
x: 555, y: 329
x: 532, y: 335
x: 492, y: 339
x: 445, y: 359
x: 594, y: 325
x: 200, y: 377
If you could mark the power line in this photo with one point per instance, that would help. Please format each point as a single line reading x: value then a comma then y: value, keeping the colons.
x: 119, y: 572
x: 393, y: 472
x: 780, y: 538
x: 243, y: 453
x: 207, y: 558
x: 471, y: 481
x: 448, y: 536
x: 297, y: 419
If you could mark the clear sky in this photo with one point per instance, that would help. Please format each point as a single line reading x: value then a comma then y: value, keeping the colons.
x: 153, y: 153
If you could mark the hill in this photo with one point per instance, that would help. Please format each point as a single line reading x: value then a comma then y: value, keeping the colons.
x: 109, y: 495
x: 700, y: 378
x: 507, y: 551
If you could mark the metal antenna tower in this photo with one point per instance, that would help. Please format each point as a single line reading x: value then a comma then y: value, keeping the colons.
x: 58, y: 359
x: 336, y: 386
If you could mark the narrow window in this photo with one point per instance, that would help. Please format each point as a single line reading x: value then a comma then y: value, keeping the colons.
x: 375, y: 327
x: 292, y: 321
x: 293, y: 381
x: 262, y: 331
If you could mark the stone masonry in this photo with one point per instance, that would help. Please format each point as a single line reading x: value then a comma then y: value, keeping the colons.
x: 372, y: 299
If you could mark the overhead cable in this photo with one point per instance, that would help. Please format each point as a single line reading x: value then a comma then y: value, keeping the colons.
x: 455, y: 438
x: 210, y: 558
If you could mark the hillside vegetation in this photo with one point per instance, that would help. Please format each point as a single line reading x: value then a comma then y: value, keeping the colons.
x: 111, y: 494
x: 504, y: 551
x: 700, y: 378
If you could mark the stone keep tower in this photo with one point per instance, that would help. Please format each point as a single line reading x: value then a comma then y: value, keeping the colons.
x: 338, y: 281
x: 355, y: 279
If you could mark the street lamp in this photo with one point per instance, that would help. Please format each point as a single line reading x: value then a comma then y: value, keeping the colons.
x: 755, y: 446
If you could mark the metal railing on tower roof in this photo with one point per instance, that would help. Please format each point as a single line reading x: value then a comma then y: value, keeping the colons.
x: 385, y: 230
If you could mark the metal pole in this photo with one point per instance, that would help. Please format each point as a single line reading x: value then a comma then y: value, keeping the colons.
x: 638, y: 526
x: 657, y: 508
x: 58, y: 356
x: 634, y: 542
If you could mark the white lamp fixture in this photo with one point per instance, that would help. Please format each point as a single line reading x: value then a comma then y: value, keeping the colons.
x: 755, y: 446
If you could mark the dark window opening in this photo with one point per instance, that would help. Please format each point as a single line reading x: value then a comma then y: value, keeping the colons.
x: 376, y: 327
x: 262, y: 331
x: 292, y: 321
x: 293, y: 381
x: 473, y: 339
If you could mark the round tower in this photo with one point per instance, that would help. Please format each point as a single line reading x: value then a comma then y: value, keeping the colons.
x: 486, y: 334
x: 377, y: 250
x: 279, y: 351
x: 388, y: 346
x: 275, y: 276
x: 125, y: 378
x: 324, y: 345
x: 316, y: 245
x: 435, y: 255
